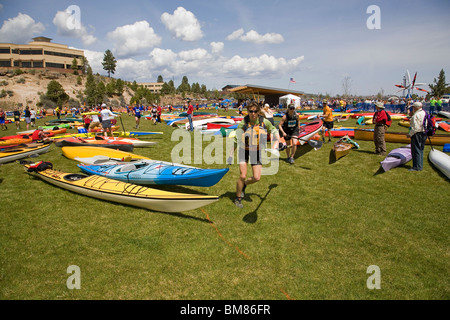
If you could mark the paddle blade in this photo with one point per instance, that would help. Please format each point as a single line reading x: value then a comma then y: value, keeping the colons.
x: 316, y: 144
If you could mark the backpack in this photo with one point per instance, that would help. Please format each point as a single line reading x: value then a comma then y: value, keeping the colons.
x: 389, y: 120
x: 429, y: 124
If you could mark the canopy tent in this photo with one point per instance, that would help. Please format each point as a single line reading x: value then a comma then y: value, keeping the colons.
x: 290, y: 98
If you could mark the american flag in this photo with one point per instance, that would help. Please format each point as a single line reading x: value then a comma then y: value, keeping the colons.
x: 292, y: 80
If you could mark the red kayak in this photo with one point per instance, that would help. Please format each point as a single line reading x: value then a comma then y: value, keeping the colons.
x: 218, y: 125
x: 342, y: 133
x: 112, y: 144
x: 308, y: 131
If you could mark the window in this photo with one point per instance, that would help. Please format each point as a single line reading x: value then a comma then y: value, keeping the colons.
x: 26, y: 64
x: 54, y: 65
x: 61, y: 54
x: 5, y: 63
x: 5, y: 50
x: 37, y: 51
x: 38, y: 64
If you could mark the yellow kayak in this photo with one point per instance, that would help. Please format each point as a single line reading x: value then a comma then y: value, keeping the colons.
x: 88, y: 152
x: 126, y: 193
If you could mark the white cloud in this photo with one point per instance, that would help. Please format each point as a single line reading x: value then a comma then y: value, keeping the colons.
x: 216, y: 47
x: 236, y: 34
x: 254, y: 37
x: 262, y: 65
x: 182, y: 24
x: 20, y: 29
x: 132, y: 39
x: 69, y: 25
x: 198, y: 65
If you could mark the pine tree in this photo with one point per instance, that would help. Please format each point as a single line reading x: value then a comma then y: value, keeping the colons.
x: 74, y: 66
x: 109, y: 62
x: 56, y: 93
x: 440, y: 87
x: 90, y: 87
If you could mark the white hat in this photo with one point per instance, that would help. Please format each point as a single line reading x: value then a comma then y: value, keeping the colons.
x: 379, y: 105
x: 417, y: 104
x: 266, y: 105
x: 103, y: 105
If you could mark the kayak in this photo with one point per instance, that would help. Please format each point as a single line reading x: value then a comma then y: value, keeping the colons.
x: 400, y: 137
x: 309, y: 131
x: 338, y: 133
x: 126, y: 193
x: 445, y: 114
x: 212, y: 125
x: 397, y: 157
x: 11, y: 141
x: 202, y: 124
x: 134, y: 133
x: 20, y: 152
x: 444, y: 126
x: 149, y: 172
x: 440, y: 160
x: 86, y: 152
x: 134, y: 141
x: 120, y: 145
x: 343, y: 146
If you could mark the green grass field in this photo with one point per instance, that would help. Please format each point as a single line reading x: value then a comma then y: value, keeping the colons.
x: 309, y: 232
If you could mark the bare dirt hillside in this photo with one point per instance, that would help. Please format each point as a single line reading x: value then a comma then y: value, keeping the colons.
x: 25, y: 89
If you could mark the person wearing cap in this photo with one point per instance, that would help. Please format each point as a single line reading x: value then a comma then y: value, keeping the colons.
x: 379, y: 120
x: 417, y: 135
x: 107, y: 116
x: 328, y: 122
x: 289, y: 128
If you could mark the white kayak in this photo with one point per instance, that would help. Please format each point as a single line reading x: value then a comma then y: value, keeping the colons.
x: 441, y: 161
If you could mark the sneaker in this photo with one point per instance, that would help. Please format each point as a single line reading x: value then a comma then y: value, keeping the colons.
x: 237, y: 203
x: 291, y: 160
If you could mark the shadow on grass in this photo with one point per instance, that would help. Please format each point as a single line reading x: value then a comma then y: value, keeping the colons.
x: 332, y: 157
x: 252, y: 217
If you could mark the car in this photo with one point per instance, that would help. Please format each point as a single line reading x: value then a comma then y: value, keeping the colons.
x: 445, y: 98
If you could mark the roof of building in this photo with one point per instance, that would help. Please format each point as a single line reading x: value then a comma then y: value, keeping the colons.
x: 265, y: 91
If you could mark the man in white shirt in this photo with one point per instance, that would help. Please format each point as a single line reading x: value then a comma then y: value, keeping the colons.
x: 107, y: 116
x: 417, y: 135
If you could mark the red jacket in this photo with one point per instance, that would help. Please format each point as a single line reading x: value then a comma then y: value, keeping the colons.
x: 190, y: 109
x: 380, y: 117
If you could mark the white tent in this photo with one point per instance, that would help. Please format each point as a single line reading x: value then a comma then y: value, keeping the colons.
x: 290, y: 98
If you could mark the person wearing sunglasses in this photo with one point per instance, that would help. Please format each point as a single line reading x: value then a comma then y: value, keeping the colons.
x: 251, y: 137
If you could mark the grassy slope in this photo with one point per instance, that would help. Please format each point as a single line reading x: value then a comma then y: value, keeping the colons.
x: 311, y: 236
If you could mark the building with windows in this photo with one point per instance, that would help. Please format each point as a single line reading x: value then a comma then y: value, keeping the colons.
x: 154, y: 87
x: 40, y: 53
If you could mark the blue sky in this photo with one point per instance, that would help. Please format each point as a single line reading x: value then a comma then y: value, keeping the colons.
x: 318, y: 43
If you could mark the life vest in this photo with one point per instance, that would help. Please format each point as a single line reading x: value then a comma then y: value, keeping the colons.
x: 252, y: 135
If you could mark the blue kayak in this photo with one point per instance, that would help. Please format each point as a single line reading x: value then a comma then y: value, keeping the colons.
x: 151, y: 172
